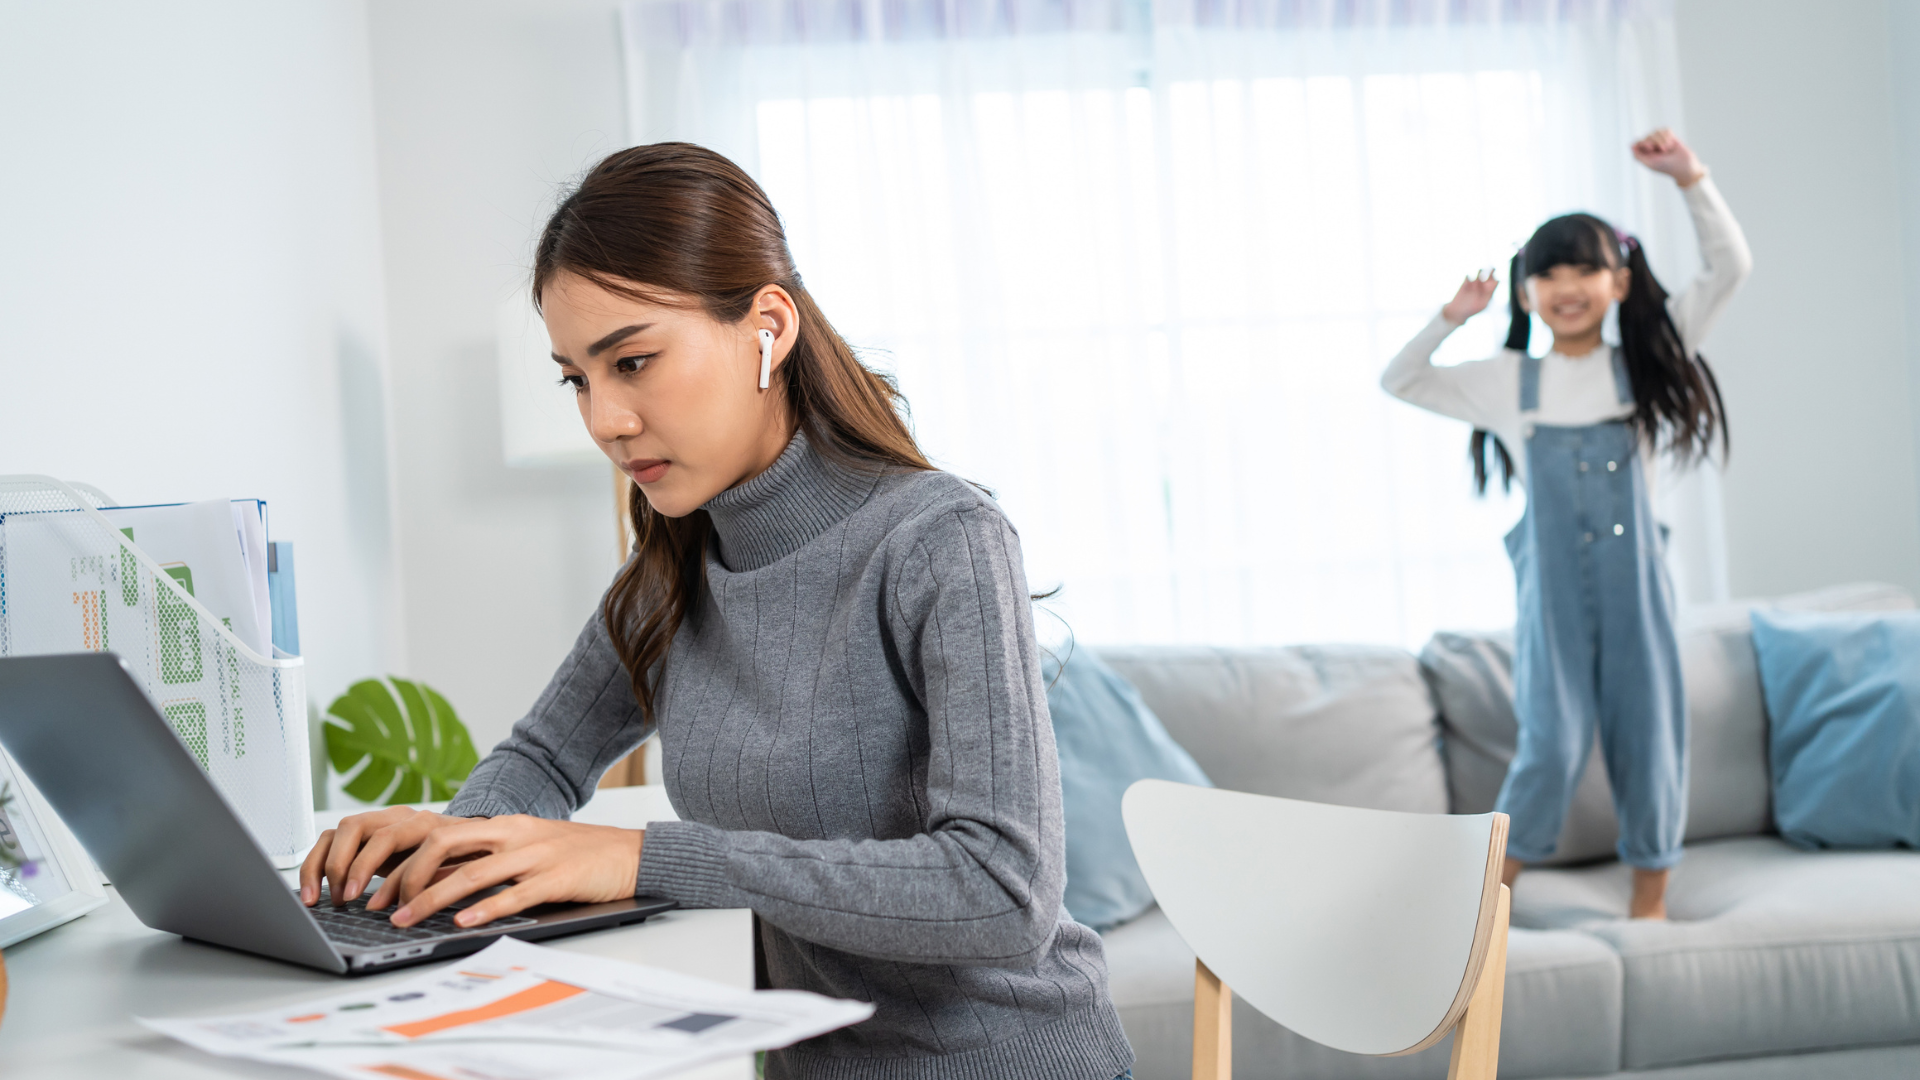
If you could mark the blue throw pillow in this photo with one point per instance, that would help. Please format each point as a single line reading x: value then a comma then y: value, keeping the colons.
x: 1843, y: 698
x: 1108, y: 739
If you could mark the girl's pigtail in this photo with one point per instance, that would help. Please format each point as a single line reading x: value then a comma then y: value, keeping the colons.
x: 1675, y: 395
x: 1520, y: 326
x: 1477, y: 451
x: 1519, y: 332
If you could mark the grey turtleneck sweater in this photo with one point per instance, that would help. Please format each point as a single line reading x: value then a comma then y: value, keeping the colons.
x: 855, y: 734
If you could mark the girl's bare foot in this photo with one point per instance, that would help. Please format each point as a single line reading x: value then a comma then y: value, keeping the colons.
x: 1649, y: 894
x: 1510, y: 870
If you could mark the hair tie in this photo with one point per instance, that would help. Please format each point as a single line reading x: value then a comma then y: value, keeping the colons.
x: 1627, y: 240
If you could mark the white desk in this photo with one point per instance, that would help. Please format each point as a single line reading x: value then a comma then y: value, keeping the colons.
x: 75, y: 989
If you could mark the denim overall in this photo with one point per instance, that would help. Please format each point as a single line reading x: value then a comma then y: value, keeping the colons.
x: 1594, y: 643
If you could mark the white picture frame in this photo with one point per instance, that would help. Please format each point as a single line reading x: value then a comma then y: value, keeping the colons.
x: 54, y: 881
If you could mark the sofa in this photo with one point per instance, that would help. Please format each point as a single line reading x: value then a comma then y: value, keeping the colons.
x: 1778, y: 962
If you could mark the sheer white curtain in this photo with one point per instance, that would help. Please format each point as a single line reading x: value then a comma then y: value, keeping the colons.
x: 1138, y: 268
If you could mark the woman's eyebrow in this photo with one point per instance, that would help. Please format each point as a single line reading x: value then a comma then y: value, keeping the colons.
x: 607, y: 342
x: 615, y: 338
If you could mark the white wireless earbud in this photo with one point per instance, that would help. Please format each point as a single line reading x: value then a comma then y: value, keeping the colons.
x: 766, y: 357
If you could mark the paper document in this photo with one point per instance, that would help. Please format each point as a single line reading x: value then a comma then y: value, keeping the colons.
x: 250, y: 523
x: 515, y: 1011
x: 59, y: 603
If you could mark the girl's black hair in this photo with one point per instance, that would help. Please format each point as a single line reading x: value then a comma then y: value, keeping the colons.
x: 1676, y: 399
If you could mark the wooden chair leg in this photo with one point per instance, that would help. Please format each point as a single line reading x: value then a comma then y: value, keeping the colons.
x: 1476, y: 1039
x: 1212, y: 1025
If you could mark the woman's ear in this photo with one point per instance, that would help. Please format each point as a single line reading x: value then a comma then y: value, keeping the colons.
x: 1622, y: 282
x: 774, y: 309
x: 1526, y: 295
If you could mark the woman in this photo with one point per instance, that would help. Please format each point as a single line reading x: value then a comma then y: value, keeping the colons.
x: 833, y: 640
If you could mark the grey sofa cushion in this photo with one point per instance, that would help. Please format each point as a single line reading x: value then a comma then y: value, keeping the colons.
x: 1472, y: 678
x: 1561, y: 1014
x: 1870, y: 1063
x: 1346, y: 724
x: 1771, y: 950
x: 1729, y: 784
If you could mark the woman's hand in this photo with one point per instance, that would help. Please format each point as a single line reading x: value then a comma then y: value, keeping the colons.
x: 362, y: 847
x: 1472, y: 298
x: 547, y: 860
x: 1663, y: 152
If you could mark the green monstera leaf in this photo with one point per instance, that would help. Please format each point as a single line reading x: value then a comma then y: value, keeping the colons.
x: 399, y: 728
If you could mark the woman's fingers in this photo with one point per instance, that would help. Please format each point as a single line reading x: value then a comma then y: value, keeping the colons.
x: 460, y: 841
x: 387, y: 848
x: 311, y: 868
x: 340, y: 852
x: 343, y: 847
x: 347, y: 838
x: 551, y: 860
x: 389, y: 890
x: 539, y: 889
x: 470, y: 878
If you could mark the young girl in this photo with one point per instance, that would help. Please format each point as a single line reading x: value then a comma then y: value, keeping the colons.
x: 1594, y: 643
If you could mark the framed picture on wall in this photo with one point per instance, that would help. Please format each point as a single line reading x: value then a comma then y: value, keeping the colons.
x: 45, y: 877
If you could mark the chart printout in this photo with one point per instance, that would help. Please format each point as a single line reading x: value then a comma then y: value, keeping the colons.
x: 524, y: 1012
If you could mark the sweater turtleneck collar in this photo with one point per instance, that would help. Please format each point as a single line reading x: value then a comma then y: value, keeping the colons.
x: 773, y: 515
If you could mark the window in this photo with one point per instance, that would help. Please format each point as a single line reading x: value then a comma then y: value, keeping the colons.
x: 1142, y: 283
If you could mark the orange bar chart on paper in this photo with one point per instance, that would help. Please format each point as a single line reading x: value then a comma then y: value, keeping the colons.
x: 534, y: 1011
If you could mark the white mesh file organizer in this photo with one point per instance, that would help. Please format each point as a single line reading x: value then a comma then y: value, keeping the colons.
x: 71, y: 582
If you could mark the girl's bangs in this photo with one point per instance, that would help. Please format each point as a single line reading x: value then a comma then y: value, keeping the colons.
x: 1573, y: 240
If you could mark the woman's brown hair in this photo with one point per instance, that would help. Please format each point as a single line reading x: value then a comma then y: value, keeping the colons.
x: 677, y: 223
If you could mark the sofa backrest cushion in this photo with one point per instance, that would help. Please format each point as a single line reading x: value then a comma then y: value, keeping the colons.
x: 1729, y: 782
x: 1347, y: 724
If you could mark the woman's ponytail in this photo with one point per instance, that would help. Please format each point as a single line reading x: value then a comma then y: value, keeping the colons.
x: 1519, y: 333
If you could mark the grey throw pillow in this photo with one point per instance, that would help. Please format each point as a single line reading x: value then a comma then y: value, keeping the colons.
x: 1351, y: 725
x: 1471, y: 673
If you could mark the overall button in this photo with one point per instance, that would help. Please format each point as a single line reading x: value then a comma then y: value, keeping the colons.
x: 1588, y: 538
x: 1583, y: 466
x: 1612, y: 466
x: 1619, y: 530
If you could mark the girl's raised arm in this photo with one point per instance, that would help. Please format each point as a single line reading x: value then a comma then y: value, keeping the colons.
x: 1472, y: 392
x: 1724, y: 256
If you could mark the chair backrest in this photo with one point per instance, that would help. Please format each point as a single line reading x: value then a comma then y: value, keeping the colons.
x: 1360, y: 929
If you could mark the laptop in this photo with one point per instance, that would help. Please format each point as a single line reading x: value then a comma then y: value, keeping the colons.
x: 90, y: 739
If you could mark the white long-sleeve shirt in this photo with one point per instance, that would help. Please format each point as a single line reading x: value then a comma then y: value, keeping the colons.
x: 1574, y: 390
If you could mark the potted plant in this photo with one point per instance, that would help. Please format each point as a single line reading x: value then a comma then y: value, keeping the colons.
x: 399, y: 729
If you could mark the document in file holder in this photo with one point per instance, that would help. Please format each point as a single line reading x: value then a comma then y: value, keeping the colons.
x: 180, y: 594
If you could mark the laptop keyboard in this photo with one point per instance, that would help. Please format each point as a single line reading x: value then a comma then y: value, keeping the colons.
x: 353, y: 925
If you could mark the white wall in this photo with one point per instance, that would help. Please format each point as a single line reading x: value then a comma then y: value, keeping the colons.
x: 1903, y: 45
x: 1792, y: 106
x: 191, y: 303
x: 484, y: 107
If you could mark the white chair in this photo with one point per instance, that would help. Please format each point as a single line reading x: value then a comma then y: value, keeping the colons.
x: 1369, y: 931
